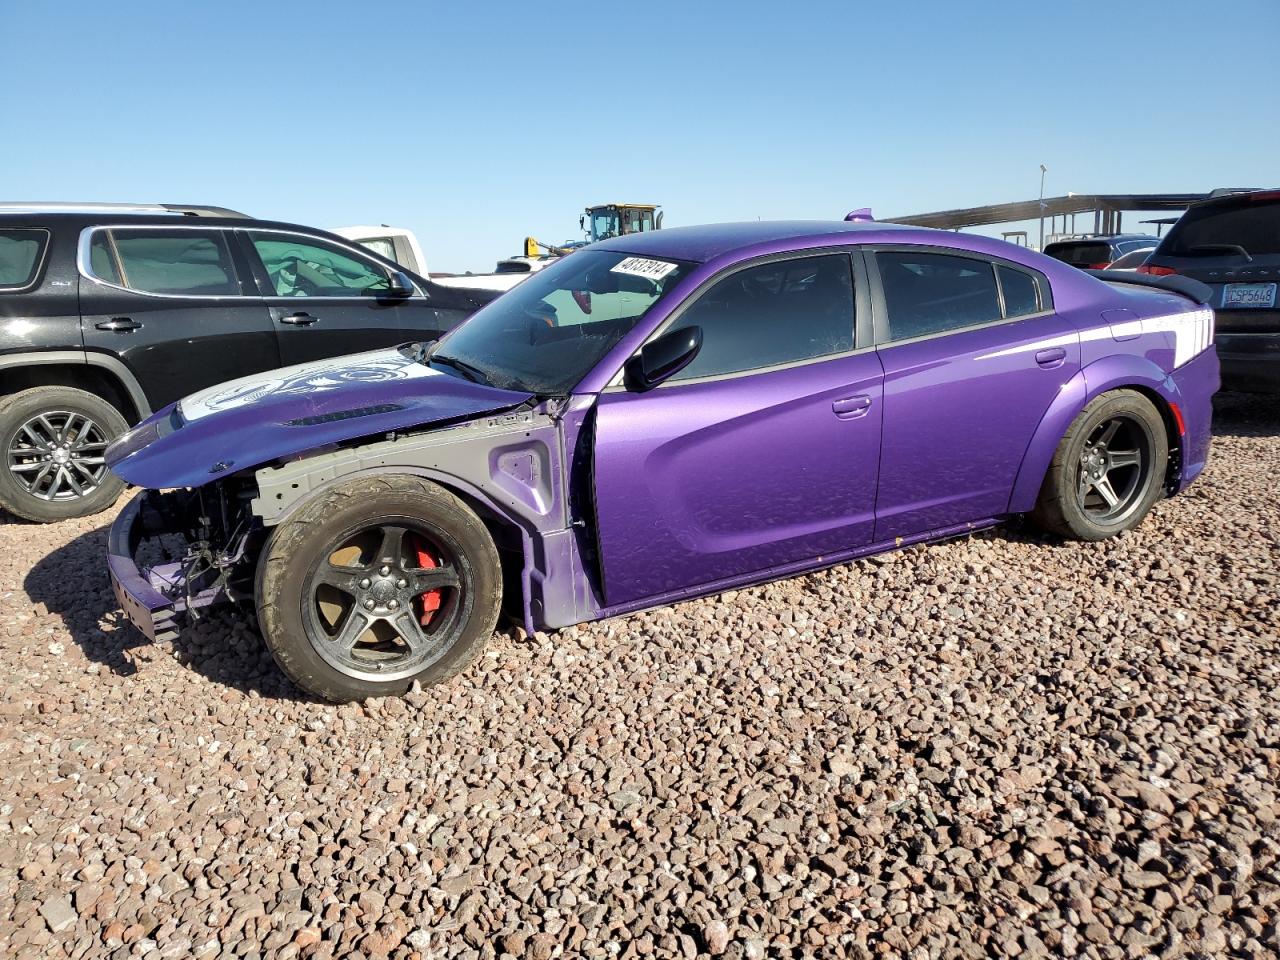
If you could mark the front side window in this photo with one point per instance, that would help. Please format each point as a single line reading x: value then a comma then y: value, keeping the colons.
x: 930, y: 293
x: 173, y: 262
x: 773, y: 313
x: 21, y: 252
x: 545, y: 335
x: 303, y: 267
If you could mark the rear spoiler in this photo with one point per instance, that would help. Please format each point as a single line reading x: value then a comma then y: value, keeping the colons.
x: 1201, y: 293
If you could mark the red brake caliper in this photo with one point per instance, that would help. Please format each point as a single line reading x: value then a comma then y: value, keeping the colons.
x: 429, y: 602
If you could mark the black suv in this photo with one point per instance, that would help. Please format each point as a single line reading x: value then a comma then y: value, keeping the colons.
x: 111, y: 311
x: 1232, y: 243
x: 1098, y: 253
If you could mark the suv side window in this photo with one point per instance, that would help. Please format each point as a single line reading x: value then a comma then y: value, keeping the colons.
x: 193, y: 263
x: 21, y: 252
x: 773, y: 313
x: 930, y: 293
x: 306, y: 267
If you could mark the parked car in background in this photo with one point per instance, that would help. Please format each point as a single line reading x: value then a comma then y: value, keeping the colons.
x: 1130, y: 262
x: 402, y: 246
x: 1232, y: 243
x: 660, y: 416
x: 111, y: 311
x: 1098, y: 253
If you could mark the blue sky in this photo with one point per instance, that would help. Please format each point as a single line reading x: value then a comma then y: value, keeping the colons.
x: 478, y: 123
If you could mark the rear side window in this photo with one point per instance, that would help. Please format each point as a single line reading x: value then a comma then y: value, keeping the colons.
x: 773, y: 313
x: 930, y: 293
x: 1253, y: 225
x: 1021, y: 292
x: 1079, y: 254
x: 21, y: 253
x: 191, y: 263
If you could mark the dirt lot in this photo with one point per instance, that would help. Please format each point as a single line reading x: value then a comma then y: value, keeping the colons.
x: 996, y: 746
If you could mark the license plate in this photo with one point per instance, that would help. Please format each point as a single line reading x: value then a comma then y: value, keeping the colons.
x: 1248, y: 295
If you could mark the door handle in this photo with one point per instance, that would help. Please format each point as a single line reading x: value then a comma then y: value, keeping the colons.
x: 850, y: 408
x: 300, y: 319
x: 1051, y: 358
x: 119, y: 324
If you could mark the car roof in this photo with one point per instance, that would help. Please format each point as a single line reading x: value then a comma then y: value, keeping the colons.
x: 708, y: 241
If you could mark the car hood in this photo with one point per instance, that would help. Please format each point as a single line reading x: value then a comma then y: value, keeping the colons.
x: 284, y: 413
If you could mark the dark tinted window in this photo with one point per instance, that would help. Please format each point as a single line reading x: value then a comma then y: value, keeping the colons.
x: 20, y: 255
x: 1252, y: 224
x: 773, y: 313
x: 1019, y: 289
x: 189, y: 262
x: 928, y: 293
x: 1079, y: 254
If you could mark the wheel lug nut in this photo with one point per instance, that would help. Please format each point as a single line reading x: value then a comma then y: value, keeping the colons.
x: 364, y: 584
x: 393, y: 604
x: 385, y: 570
x: 369, y: 604
x: 402, y: 583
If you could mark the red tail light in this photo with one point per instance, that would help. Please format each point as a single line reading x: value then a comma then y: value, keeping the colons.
x: 1098, y: 266
x: 1155, y: 271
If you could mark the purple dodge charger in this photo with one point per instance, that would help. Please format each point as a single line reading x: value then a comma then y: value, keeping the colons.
x: 656, y: 417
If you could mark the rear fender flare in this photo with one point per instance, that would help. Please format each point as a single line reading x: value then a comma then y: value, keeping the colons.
x: 1109, y: 373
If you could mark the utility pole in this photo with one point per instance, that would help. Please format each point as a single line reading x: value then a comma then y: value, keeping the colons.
x: 1043, y: 171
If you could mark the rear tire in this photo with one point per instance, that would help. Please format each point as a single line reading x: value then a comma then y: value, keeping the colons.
x: 1108, y: 470
x: 377, y: 583
x: 53, y: 440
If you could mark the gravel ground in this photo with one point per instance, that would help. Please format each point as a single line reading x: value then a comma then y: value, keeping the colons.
x: 996, y: 746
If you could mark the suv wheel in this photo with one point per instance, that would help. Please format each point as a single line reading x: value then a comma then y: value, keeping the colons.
x: 55, y: 439
x: 375, y: 584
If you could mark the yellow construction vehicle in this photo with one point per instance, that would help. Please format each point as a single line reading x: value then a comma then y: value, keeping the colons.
x: 600, y: 222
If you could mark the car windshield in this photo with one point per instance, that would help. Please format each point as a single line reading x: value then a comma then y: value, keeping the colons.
x: 545, y: 335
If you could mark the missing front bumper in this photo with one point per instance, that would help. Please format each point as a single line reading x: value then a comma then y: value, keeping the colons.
x: 148, y: 609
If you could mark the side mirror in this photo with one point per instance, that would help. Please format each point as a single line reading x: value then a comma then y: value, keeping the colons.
x: 662, y: 358
x: 399, y: 287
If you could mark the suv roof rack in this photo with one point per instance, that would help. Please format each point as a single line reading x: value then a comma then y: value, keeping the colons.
x: 179, y: 209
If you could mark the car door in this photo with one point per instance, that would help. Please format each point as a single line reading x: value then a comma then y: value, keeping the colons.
x: 763, y: 452
x: 973, y: 356
x: 328, y: 299
x: 176, y: 304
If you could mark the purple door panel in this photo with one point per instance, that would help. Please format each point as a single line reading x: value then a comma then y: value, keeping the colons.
x: 696, y: 482
x: 959, y: 412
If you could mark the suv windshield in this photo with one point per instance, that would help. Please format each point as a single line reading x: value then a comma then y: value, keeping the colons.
x: 546, y: 334
x: 1218, y: 230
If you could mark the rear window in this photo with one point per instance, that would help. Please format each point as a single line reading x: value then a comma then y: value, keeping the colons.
x: 1079, y: 254
x: 21, y: 253
x: 193, y: 263
x: 1253, y: 225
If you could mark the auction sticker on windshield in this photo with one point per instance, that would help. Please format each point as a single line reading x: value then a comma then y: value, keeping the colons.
x: 1249, y: 295
x: 643, y: 267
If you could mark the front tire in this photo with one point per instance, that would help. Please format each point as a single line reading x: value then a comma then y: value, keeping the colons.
x: 1108, y: 470
x: 55, y: 439
x: 378, y: 583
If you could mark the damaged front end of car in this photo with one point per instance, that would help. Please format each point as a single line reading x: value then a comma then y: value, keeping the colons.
x: 179, y: 552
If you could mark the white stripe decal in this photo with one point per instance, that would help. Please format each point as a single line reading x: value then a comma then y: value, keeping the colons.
x: 1192, y: 334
